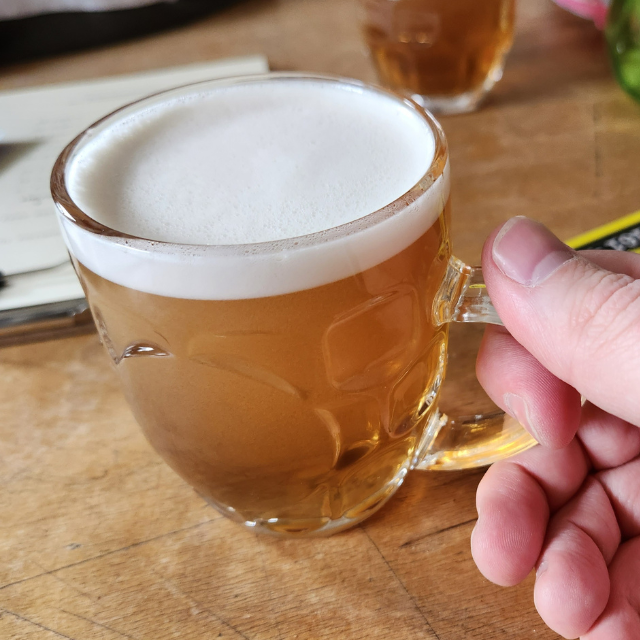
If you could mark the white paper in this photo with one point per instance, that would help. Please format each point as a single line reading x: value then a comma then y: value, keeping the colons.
x: 30, y: 289
x: 29, y: 235
x: 35, y: 125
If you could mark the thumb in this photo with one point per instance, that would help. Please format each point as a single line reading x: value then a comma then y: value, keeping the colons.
x: 580, y: 321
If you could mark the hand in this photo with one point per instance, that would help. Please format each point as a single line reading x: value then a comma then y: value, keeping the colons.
x: 571, y: 507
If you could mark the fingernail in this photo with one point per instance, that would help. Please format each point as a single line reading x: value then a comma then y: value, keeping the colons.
x: 528, y: 252
x: 542, y: 567
x: 519, y: 409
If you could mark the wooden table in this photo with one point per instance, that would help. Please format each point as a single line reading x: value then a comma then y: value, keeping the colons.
x: 100, y: 540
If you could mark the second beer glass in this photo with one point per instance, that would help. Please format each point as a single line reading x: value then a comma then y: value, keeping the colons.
x: 445, y: 54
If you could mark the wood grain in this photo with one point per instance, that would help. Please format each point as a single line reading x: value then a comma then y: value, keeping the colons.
x: 100, y: 540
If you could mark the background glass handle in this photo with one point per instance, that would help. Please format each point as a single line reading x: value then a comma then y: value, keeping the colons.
x: 478, y: 440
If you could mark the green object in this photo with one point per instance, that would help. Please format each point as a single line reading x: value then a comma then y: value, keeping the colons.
x: 623, y: 37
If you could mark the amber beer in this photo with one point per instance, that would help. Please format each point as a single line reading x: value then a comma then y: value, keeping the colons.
x: 289, y: 381
x: 293, y: 411
x: 448, y: 53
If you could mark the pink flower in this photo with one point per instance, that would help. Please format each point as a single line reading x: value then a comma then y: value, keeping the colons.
x: 595, y: 10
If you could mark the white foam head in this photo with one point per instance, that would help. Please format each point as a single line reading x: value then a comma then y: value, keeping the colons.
x: 253, y: 162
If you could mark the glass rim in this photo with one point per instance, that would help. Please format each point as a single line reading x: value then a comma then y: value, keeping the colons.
x: 69, y: 210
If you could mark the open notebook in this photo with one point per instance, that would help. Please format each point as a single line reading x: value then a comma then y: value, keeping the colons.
x: 41, y: 291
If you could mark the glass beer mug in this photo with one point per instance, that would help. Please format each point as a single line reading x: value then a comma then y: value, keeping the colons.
x: 293, y: 382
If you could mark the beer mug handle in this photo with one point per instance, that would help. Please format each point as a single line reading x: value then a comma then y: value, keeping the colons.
x: 478, y: 440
